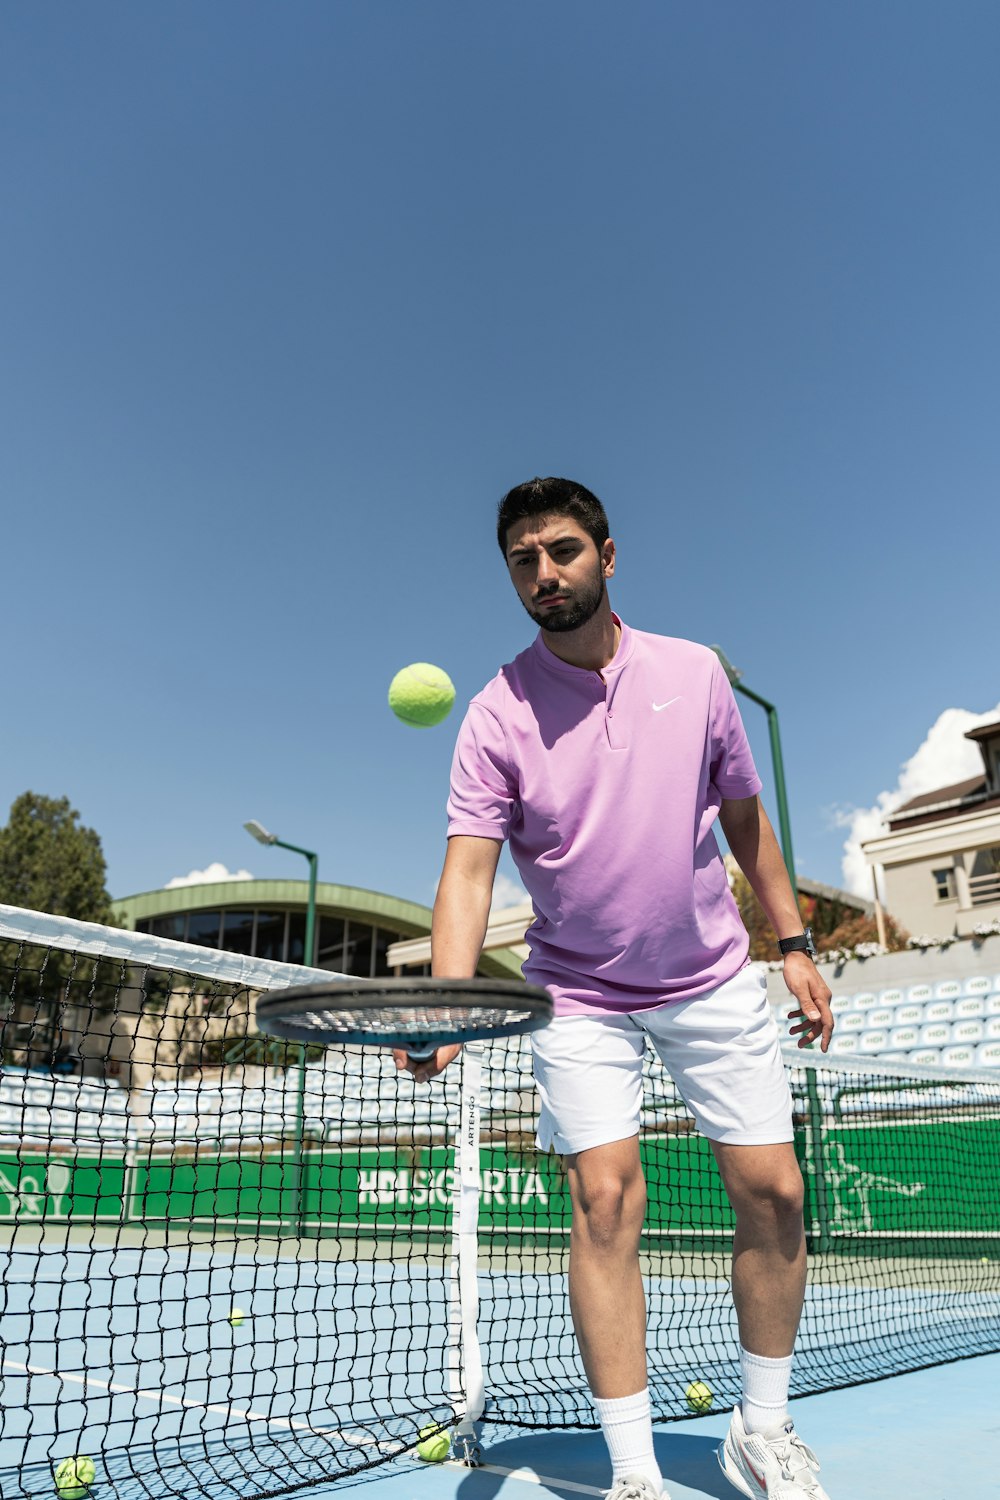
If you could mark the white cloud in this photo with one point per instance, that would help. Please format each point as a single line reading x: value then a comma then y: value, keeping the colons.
x: 945, y: 756
x: 207, y: 876
x: 507, y: 892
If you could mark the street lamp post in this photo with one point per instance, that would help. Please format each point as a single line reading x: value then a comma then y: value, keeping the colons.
x: 298, y: 1185
x: 257, y: 831
x: 784, y: 821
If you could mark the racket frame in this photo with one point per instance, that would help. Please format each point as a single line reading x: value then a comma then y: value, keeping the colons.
x: 277, y: 1011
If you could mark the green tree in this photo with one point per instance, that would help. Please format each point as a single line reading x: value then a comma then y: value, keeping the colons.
x: 50, y: 862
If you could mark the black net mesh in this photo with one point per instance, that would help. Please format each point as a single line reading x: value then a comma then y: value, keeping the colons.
x: 229, y: 1268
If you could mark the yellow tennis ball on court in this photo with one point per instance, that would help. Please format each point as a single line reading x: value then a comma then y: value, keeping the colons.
x: 74, y: 1476
x: 434, y: 1444
x: 237, y: 1317
x: 421, y: 695
x: 699, y: 1397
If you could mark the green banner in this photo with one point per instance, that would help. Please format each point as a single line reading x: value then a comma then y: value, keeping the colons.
x: 920, y: 1181
x: 35, y: 1186
x: 934, y: 1180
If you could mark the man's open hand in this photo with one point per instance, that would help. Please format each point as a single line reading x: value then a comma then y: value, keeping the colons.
x: 811, y: 990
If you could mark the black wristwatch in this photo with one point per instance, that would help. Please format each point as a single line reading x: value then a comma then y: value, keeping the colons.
x: 803, y: 944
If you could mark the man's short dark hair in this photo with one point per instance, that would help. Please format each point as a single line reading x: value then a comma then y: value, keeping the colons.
x: 552, y: 497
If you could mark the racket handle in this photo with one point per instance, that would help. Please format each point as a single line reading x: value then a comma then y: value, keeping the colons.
x: 421, y: 1054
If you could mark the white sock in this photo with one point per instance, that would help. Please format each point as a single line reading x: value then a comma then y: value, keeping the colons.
x: 765, y: 1392
x: 627, y: 1424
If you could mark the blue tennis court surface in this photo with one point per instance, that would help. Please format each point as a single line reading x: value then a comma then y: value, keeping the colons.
x: 930, y: 1435
x: 163, y: 1369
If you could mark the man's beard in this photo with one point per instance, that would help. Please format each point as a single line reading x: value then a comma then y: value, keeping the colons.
x: 580, y: 606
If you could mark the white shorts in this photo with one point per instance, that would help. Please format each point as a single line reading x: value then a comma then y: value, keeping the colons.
x: 722, y: 1050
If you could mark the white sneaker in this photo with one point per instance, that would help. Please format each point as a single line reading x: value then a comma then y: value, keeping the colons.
x: 635, y: 1487
x: 778, y: 1468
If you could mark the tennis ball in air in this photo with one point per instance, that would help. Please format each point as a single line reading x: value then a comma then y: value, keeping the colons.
x: 434, y: 1444
x: 74, y: 1476
x: 237, y: 1317
x: 421, y: 695
x: 699, y: 1397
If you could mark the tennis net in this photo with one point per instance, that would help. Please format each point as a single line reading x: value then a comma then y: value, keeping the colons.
x: 237, y: 1269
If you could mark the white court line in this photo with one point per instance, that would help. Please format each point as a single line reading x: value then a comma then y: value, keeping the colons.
x: 528, y: 1475
x: 161, y: 1398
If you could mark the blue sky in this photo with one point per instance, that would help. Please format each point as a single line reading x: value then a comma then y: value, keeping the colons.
x: 293, y: 294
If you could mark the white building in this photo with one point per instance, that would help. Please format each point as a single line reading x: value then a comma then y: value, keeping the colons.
x: 940, y: 856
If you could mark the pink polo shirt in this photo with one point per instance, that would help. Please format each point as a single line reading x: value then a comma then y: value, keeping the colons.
x: 608, y: 786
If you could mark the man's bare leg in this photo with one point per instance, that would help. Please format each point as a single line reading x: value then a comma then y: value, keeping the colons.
x: 769, y: 1273
x: 764, y: 1185
x: 606, y: 1294
x: 608, y: 1302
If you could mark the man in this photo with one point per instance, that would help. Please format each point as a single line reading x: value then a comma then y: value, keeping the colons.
x: 605, y: 756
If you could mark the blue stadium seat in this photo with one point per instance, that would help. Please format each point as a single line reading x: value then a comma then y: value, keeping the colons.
x: 909, y: 1014
x: 979, y: 984
x: 845, y: 1045
x: 936, y: 1034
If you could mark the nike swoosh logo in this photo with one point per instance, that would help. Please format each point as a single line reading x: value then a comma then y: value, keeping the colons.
x: 657, y: 707
x: 759, y: 1477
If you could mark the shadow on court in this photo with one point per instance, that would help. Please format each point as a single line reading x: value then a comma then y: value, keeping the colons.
x: 687, y: 1461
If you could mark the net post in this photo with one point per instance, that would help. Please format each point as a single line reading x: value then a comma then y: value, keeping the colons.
x: 820, y: 1227
x: 465, y: 1353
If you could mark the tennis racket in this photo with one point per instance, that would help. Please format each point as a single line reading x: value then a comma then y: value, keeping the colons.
x: 419, y: 1015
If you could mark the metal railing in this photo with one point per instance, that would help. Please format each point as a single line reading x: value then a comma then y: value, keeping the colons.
x: 984, y: 888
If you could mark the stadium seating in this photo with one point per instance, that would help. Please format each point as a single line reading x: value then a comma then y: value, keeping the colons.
x: 954, y: 1023
x: 951, y: 1024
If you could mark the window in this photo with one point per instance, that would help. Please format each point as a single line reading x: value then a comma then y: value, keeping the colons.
x: 382, y: 941
x: 237, y: 931
x: 945, y: 882
x: 358, y: 949
x: 270, y: 934
x: 297, y: 938
x: 203, y: 928
x: 167, y: 927
x: 331, y: 944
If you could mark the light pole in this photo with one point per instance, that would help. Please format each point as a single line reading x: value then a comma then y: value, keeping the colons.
x: 784, y: 821
x: 299, y: 1162
x: 255, y: 830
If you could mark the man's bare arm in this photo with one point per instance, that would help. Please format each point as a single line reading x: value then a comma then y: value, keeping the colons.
x: 458, y: 928
x: 751, y: 838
